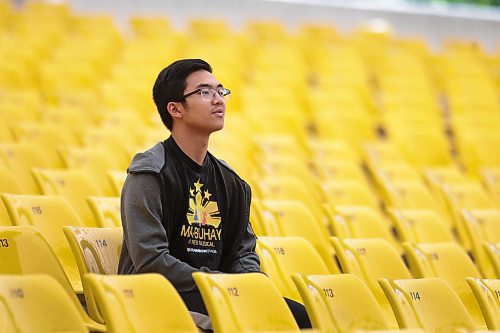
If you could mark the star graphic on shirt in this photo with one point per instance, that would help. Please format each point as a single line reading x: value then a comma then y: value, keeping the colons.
x: 198, y: 185
x: 191, y: 192
x: 207, y: 195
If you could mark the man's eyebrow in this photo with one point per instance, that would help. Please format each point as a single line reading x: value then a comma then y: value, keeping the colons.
x: 206, y: 85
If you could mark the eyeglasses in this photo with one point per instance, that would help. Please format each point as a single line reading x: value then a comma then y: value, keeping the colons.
x: 209, y: 94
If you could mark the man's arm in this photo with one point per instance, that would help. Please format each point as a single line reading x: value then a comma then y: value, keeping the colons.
x: 144, y: 235
x: 246, y: 259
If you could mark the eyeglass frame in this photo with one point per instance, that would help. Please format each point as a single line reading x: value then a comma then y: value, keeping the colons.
x: 226, y: 92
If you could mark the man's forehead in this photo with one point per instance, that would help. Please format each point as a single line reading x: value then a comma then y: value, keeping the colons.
x: 201, y: 78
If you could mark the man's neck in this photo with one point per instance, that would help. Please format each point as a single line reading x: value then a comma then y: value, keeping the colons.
x: 193, y: 145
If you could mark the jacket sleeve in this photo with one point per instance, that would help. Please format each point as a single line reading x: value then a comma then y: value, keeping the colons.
x: 245, y: 259
x: 145, y: 238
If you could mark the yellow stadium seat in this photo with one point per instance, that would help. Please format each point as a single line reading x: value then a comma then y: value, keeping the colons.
x: 450, y: 262
x: 361, y: 222
x: 492, y: 251
x: 295, y: 219
x: 37, y: 303
x: 140, y: 303
x: 283, y: 256
x: 429, y: 303
x: 117, y: 179
x: 106, y: 211
x: 409, y: 195
x: 49, y: 214
x: 244, y: 303
x: 491, y: 179
x: 340, y: 303
x: 349, y: 193
x: 486, y: 292
x: 423, y: 147
x: 96, y: 250
x: 47, y: 137
x: 372, y: 259
x: 465, y: 196
x: 482, y: 226
x: 380, y: 153
x: 7, y: 185
x: 29, y: 253
x: 421, y: 226
x: 339, y: 169
x: 289, y: 188
x: 95, y: 161
x: 73, y: 185
x: 20, y: 159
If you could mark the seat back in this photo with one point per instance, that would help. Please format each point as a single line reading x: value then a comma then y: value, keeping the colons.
x: 430, y: 304
x: 96, y: 250
x: 293, y: 218
x: 49, y: 213
x: 487, y: 293
x: 106, y: 211
x: 25, y: 252
x: 283, y: 256
x: 450, y: 262
x: 372, y: 259
x: 482, y: 226
x: 421, y: 225
x: 492, y: 251
x: 140, y: 303
x: 73, y: 185
x: 339, y: 303
x: 21, y: 158
x: 244, y: 303
x: 37, y: 303
x: 7, y: 185
x: 361, y: 222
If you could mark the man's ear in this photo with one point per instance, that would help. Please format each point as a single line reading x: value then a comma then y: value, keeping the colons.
x: 173, y: 109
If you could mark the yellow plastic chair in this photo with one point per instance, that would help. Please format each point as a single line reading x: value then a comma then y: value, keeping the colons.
x: 420, y: 226
x: 450, y: 262
x: 106, y: 211
x: 73, y: 185
x: 37, y: 303
x: 409, y: 195
x: 95, y: 161
x: 27, y: 252
x: 361, y: 222
x: 492, y: 251
x: 283, y: 256
x: 96, y: 250
x: 482, y: 226
x: 20, y: 158
x: 140, y: 303
x: 244, y: 303
x: 289, y: 188
x: 487, y: 292
x: 372, y: 259
x: 7, y: 185
x: 49, y: 214
x: 340, y: 303
x: 117, y: 179
x: 293, y: 218
x: 461, y: 196
x: 349, y: 193
x: 430, y: 304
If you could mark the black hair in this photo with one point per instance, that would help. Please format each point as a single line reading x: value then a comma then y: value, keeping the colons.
x: 171, y: 83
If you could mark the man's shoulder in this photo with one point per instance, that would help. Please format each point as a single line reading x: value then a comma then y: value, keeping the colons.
x: 227, y: 169
x: 151, y: 160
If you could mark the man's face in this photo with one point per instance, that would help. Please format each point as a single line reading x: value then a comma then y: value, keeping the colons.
x: 205, y: 114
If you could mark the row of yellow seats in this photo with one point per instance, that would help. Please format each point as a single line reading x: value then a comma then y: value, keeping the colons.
x: 283, y: 251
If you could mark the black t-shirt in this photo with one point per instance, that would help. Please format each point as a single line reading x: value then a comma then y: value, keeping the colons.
x: 197, y: 236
